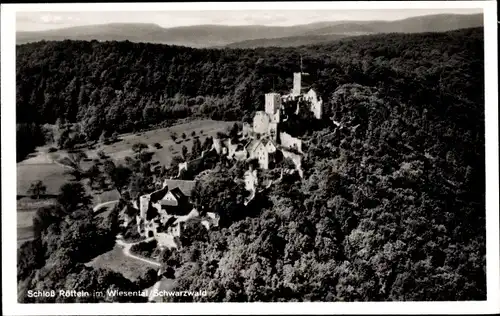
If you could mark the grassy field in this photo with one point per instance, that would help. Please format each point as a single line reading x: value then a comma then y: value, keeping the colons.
x: 115, y: 260
x: 26, y: 209
x: 52, y: 175
x: 123, y: 148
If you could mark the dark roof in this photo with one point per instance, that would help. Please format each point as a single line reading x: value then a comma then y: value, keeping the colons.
x: 170, y: 221
x: 180, y: 210
x: 158, y: 195
x: 185, y: 186
x: 178, y: 194
x: 240, y: 147
x: 151, y: 213
x: 252, y: 145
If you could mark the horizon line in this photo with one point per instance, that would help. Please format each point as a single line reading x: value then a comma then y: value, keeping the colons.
x: 62, y: 27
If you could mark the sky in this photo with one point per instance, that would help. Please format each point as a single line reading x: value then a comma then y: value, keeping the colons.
x: 38, y: 21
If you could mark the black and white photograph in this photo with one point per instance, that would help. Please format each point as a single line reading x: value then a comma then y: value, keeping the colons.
x: 265, y: 152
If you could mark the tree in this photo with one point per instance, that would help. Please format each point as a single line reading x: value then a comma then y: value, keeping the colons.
x: 114, y: 137
x: 207, y: 144
x: 148, y: 279
x: 30, y: 257
x: 233, y: 132
x: 94, y: 173
x: 287, y: 163
x: 120, y: 176
x: 185, y: 152
x: 145, y: 157
x: 102, y: 155
x: 139, y: 147
x: 74, y: 161
x: 72, y: 197
x: 37, y: 189
x: 217, y: 192
x: 196, y: 149
x: 193, y: 231
x: 64, y: 136
x: 44, y: 217
x: 103, y: 139
x: 183, y: 136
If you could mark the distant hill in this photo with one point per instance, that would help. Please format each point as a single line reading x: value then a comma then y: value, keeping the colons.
x: 249, y: 36
x: 291, y: 41
x: 342, y: 29
x: 420, y: 24
x: 193, y: 36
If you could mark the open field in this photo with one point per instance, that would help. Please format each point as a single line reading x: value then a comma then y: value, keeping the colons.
x: 26, y: 209
x: 123, y: 148
x: 43, y: 166
x: 115, y: 260
x: 51, y: 174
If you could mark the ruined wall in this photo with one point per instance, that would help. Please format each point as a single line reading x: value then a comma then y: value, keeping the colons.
x: 144, y: 205
x: 261, y: 122
x: 297, y: 160
x: 251, y: 180
x: 288, y: 141
x: 272, y: 103
x: 316, y: 103
x: 217, y: 145
x: 273, y: 131
x: 297, y: 87
x: 247, y: 130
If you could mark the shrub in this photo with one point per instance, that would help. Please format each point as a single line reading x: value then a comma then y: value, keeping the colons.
x: 138, y: 147
x: 144, y: 249
x: 101, y: 154
x: 37, y: 189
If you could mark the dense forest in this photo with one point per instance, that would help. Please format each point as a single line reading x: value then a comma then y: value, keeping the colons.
x: 392, y: 203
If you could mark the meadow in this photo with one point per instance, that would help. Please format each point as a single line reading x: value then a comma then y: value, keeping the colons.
x: 116, y: 260
x: 169, y: 148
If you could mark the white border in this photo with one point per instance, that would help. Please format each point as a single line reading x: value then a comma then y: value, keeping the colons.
x: 264, y: 6
x: 9, y: 282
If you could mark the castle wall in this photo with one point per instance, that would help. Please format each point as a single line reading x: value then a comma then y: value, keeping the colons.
x: 144, y: 205
x: 316, y: 103
x: 288, y: 141
x: 261, y: 122
x: 297, y: 87
x: 272, y: 105
x: 273, y: 130
x: 217, y: 144
x: 247, y: 130
x: 297, y: 160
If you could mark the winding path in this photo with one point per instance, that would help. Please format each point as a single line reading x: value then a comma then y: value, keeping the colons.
x: 101, y: 205
x: 126, y: 251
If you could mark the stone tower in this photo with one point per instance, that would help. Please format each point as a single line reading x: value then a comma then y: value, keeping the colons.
x: 297, y: 83
x: 272, y: 106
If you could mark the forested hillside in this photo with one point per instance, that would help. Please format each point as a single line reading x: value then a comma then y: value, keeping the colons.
x: 391, y: 206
